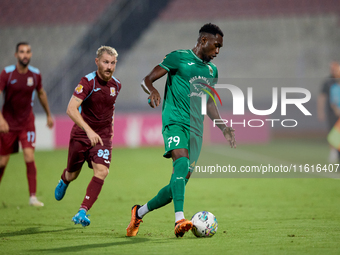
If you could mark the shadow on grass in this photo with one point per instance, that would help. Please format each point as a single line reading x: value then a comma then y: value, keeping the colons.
x: 83, y: 247
x: 31, y: 231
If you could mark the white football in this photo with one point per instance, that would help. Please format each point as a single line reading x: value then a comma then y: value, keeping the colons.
x: 204, y: 224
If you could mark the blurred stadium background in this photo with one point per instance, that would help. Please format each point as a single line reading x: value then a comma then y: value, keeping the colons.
x: 267, y: 43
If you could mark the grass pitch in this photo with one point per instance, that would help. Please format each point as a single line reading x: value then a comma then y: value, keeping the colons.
x: 255, y: 215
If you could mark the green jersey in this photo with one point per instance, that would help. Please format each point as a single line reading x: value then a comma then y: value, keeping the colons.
x: 189, y: 78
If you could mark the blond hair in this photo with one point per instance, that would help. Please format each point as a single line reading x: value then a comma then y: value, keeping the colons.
x: 109, y: 50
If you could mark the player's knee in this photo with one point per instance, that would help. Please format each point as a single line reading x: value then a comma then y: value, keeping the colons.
x: 28, y: 157
x: 106, y: 172
x: 179, y: 153
x: 101, y: 173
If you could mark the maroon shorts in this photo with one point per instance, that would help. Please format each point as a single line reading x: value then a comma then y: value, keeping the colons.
x: 79, y: 152
x: 9, y: 142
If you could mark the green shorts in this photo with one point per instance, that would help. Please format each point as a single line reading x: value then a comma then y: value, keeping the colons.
x: 178, y: 137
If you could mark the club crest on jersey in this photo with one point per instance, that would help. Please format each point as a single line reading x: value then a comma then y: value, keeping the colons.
x: 211, y: 72
x: 79, y: 89
x: 30, y: 81
x: 112, y: 91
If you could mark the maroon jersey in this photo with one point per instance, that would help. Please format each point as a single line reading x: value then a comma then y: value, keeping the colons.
x: 99, y: 98
x: 19, y: 90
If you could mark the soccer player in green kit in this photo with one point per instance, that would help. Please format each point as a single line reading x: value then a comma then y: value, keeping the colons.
x: 190, y: 74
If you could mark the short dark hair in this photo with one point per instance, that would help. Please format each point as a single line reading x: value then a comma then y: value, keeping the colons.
x: 211, y: 29
x: 19, y: 44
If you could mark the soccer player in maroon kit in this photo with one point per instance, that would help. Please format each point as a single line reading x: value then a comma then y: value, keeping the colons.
x: 19, y: 83
x: 92, y: 108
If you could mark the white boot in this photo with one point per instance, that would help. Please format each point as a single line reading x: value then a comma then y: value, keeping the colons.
x: 35, y: 202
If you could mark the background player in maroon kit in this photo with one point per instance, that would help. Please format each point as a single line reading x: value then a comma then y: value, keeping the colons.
x: 19, y: 82
x: 92, y: 108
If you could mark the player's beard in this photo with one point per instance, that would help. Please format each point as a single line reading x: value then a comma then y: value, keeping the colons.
x: 206, y: 58
x: 105, y: 75
x: 22, y: 63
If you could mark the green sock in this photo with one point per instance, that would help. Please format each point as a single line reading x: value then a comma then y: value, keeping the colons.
x: 161, y: 199
x: 178, y: 182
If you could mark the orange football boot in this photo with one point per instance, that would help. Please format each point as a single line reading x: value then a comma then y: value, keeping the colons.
x: 182, y: 226
x: 132, y: 229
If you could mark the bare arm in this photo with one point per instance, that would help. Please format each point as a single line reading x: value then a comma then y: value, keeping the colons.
x: 4, y: 128
x: 73, y: 112
x: 321, y: 103
x: 154, y: 99
x: 44, y: 103
x: 228, y: 132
